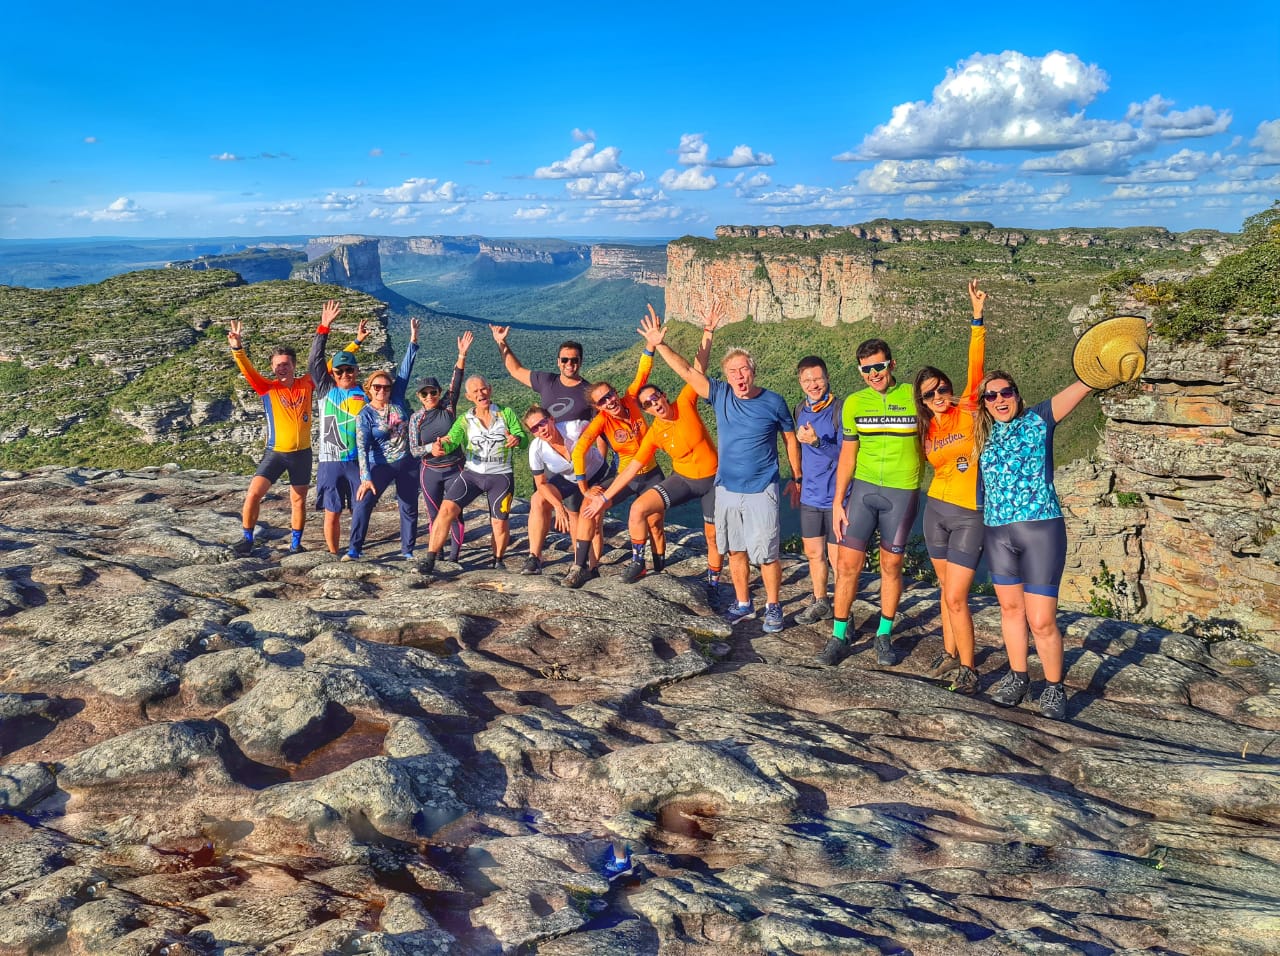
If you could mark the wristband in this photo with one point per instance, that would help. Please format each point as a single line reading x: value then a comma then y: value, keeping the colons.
x: 322, y: 330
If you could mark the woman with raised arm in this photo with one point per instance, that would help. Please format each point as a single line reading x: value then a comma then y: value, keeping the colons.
x: 432, y: 421
x: 382, y: 444
x: 953, y: 530
x: 677, y: 429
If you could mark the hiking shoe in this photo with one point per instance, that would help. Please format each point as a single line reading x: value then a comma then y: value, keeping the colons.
x: 578, y: 576
x: 405, y: 556
x: 835, y: 651
x: 498, y: 563
x: 819, y: 610
x: 659, y: 563
x: 429, y: 564
x: 296, y: 549
x: 773, y: 619
x: 351, y: 555
x: 942, y: 665
x: 886, y: 656
x: 1053, y: 701
x: 965, y: 681
x: 744, y: 611
x: 633, y: 572
x: 532, y: 565
x: 1010, y: 690
x: 611, y: 866
x: 243, y: 546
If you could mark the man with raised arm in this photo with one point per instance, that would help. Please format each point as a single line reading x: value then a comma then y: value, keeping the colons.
x: 564, y: 394
x: 749, y: 420
x: 286, y: 399
x: 340, y: 397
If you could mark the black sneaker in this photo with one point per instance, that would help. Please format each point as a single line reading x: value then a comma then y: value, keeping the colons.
x: 578, y: 576
x: 835, y: 651
x: 1010, y: 690
x: 429, y: 564
x: 659, y: 563
x: 942, y: 665
x: 532, y: 565
x: 965, y: 681
x: 886, y: 656
x: 819, y: 610
x: 633, y: 572
x: 242, y: 547
x: 1053, y: 702
x: 498, y: 563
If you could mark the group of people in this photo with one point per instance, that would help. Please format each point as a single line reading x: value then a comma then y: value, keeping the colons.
x: 855, y: 471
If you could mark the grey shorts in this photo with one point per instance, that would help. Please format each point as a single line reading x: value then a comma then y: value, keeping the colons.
x: 953, y: 534
x: 748, y: 522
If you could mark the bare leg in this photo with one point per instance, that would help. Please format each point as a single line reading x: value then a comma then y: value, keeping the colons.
x: 449, y: 511
x: 849, y: 564
x: 740, y: 571
x: 890, y: 582
x: 539, y: 520
x: 815, y: 550
x: 258, y: 489
x: 1042, y: 618
x: 332, y: 530
x: 771, y: 575
x: 941, y: 569
x: 714, y: 558
x: 1013, y: 624
x: 501, y: 535
x: 955, y: 603
x: 298, y: 506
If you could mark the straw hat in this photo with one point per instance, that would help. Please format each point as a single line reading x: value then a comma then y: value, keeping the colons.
x: 1113, y: 351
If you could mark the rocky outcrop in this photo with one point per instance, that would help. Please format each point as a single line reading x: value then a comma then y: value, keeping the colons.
x: 252, y: 265
x: 289, y: 755
x: 1183, y: 500
x: 354, y: 265
x: 645, y: 265
x: 830, y: 287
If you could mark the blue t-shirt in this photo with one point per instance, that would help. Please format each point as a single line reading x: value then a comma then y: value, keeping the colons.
x: 748, y: 430
x: 1015, y: 476
x: 818, y: 489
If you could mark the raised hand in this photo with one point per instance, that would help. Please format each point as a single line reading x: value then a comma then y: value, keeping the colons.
x: 413, y: 331
x: 977, y: 298
x: 362, y: 330
x: 233, y: 334
x: 500, y: 333
x: 464, y: 343
x: 652, y: 330
x: 715, y: 316
x: 329, y: 313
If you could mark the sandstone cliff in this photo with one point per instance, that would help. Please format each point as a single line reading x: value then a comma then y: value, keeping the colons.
x: 1183, y: 499
x: 287, y: 755
x: 353, y: 265
x: 252, y: 265
x: 646, y: 265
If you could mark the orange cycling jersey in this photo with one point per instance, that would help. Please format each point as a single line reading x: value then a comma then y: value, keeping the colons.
x: 948, y: 444
x: 685, y: 438
x: 623, y: 434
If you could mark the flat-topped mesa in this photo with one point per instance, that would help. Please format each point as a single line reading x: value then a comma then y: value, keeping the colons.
x: 354, y: 265
x: 645, y: 265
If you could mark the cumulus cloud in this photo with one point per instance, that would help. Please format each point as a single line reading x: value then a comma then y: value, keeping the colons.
x: 583, y: 161
x: 534, y: 213
x: 1096, y: 159
x: 227, y: 158
x: 91, y: 140
x: 338, y: 201
x: 419, y: 190
x: 693, y: 151
x: 1185, y: 165
x: 123, y: 209
x: 611, y: 185
x: 746, y: 185
x: 891, y: 176
x: 694, y: 178
x: 998, y: 101
x: 1267, y: 143
x: 1157, y: 116
x: 584, y: 135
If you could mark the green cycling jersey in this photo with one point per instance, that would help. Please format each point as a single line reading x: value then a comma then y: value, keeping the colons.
x: 884, y: 426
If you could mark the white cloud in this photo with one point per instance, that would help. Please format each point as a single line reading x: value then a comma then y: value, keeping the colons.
x: 583, y: 161
x: 613, y: 185
x: 693, y: 151
x: 123, y: 209
x: 693, y: 178
x: 746, y: 186
x: 1185, y: 165
x: 1108, y: 156
x: 338, y: 201
x: 227, y: 158
x: 293, y: 208
x: 891, y: 176
x: 534, y: 213
x: 998, y: 101
x: 1267, y: 143
x: 422, y: 190
x: 375, y: 152
x: 91, y: 140
x: 1155, y: 115
x: 584, y: 135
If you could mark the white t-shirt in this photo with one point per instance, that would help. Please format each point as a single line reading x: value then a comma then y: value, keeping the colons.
x: 545, y: 460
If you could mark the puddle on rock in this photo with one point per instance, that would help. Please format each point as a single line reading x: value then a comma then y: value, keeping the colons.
x: 361, y: 740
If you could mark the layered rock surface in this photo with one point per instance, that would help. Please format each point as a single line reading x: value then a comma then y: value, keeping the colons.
x: 287, y: 755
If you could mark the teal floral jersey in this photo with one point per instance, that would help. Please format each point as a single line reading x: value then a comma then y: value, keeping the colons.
x: 1015, y: 480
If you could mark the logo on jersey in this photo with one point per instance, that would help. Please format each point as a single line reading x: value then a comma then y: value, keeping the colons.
x: 560, y: 408
x: 962, y: 463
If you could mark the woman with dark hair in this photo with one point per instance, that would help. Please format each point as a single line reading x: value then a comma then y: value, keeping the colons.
x: 1026, y: 536
x: 435, y: 418
x: 382, y: 446
x: 953, y: 530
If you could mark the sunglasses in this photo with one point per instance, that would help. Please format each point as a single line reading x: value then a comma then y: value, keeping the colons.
x: 653, y: 399
x: 344, y: 370
x: 571, y: 360
x: 936, y: 390
x: 540, y: 424
x: 607, y: 398
x: 1006, y: 392
x: 429, y: 393
x: 379, y: 388
x: 873, y: 367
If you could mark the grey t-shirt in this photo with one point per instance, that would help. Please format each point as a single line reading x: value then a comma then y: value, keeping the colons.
x: 564, y: 403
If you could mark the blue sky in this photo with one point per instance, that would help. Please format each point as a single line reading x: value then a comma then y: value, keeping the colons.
x: 146, y: 119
